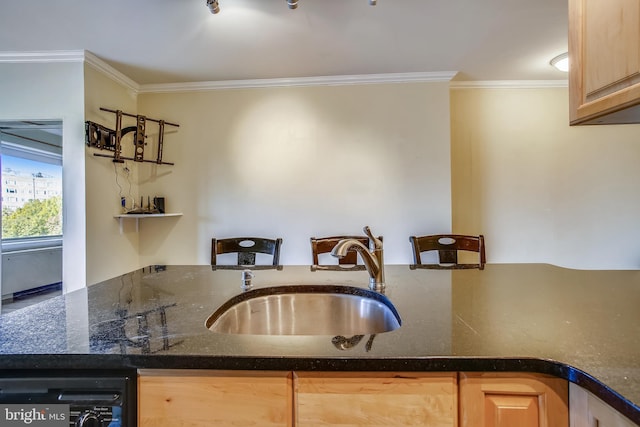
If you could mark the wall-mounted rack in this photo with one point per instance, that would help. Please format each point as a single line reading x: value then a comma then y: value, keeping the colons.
x: 103, y: 138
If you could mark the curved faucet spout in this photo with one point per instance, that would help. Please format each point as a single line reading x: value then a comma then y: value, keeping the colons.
x: 370, y: 262
x: 373, y: 258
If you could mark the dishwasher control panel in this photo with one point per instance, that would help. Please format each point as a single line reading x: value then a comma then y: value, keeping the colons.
x: 67, y: 401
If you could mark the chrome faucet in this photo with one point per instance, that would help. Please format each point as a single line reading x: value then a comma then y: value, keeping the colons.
x: 372, y: 257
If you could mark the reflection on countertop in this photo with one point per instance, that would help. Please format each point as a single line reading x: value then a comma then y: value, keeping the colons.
x: 580, y: 325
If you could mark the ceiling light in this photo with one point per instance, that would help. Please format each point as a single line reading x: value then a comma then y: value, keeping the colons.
x: 213, y: 6
x: 561, y: 62
x: 373, y: 2
x: 293, y: 4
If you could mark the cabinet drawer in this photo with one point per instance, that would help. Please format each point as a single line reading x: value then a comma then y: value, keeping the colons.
x: 375, y: 399
x: 214, y: 398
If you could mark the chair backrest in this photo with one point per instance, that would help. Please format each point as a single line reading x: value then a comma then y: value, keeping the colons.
x: 246, y: 248
x: 323, y: 245
x: 447, y: 246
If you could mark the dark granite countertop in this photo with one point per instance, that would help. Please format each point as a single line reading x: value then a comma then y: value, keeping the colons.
x: 582, y: 325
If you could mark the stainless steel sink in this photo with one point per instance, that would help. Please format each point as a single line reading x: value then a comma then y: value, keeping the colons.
x: 306, y: 310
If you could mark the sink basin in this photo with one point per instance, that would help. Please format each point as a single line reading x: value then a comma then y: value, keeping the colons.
x: 306, y: 310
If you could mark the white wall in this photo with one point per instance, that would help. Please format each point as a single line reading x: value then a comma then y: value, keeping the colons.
x: 301, y: 161
x: 539, y: 190
x: 109, y: 253
x: 297, y: 162
x: 55, y: 91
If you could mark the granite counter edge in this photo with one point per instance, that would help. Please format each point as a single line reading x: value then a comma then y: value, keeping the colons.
x: 92, y: 362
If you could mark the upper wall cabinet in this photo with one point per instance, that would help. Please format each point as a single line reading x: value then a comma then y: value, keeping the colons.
x: 604, y: 50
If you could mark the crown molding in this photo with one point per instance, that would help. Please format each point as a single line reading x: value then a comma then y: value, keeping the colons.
x: 79, y: 56
x: 106, y: 69
x: 48, y: 56
x: 92, y: 60
x: 445, y: 76
x: 509, y: 84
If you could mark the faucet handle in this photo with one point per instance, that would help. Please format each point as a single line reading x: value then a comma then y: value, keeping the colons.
x: 377, y: 243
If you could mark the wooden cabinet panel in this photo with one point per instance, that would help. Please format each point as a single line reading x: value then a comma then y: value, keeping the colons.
x: 586, y: 410
x: 506, y: 400
x: 506, y: 410
x: 193, y: 398
x: 375, y: 399
x: 604, y: 51
x: 611, y: 33
x: 214, y: 398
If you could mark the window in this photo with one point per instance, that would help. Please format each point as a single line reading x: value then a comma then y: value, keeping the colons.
x: 31, y: 161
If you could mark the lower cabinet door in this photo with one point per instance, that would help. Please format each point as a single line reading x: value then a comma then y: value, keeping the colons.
x: 196, y: 398
x: 586, y: 410
x: 375, y: 399
x: 508, y: 400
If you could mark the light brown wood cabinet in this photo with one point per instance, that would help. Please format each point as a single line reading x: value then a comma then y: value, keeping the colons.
x: 375, y: 399
x: 586, y: 410
x: 194, y: 398
x: 169, y: 398
x: 604, y: 55
x: 508, y: 399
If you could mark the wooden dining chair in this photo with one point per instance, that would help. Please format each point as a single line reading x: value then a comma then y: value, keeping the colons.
x: 447, y: 247
x: 246, y: 249
x: 323, y: 245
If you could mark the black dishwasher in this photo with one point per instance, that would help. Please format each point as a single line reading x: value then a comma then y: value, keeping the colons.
x: 67, y: 399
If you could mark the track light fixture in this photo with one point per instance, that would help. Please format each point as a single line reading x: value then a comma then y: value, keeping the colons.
x: 213, y: 6
x: 293, y: 4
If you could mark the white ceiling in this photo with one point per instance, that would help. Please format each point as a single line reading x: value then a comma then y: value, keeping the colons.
x: 175, y: 41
